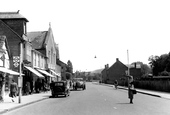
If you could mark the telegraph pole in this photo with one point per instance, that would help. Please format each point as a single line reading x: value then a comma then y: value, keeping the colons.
x: 20, y: 75
x: 128, y: 62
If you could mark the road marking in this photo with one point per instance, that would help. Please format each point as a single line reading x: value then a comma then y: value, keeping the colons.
x: 114, y: 107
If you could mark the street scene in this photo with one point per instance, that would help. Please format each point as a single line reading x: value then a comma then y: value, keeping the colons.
x: 97, y: 99
x: 92, y: 57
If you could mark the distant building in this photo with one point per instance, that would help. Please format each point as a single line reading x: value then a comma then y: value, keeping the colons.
x: 135, y: 71
x: 104, y: 73
x: 63, y: 69
x: 116, y: 71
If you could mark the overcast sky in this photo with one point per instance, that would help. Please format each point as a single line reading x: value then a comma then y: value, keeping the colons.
x: 102, y: 28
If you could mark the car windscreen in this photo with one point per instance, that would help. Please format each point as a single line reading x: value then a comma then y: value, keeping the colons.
x: 59, y: 84
x: 78, y: 79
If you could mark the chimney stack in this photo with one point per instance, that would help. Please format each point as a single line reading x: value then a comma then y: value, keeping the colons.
x: 117, y: 59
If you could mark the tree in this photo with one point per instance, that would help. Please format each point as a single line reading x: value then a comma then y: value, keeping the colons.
x: 160, y: 63
x: 69, y: 67
x: 145, y: 69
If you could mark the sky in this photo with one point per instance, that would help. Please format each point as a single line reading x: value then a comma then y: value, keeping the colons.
x: 102, y: 28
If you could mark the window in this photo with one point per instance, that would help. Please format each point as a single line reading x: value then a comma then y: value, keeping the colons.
x: 38, y: 60
x: 49, y: 57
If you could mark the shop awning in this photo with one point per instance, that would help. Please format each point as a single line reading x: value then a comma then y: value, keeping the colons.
x: 55, y: 73
x: 5, y: 70
x: 34, y: 71
x: 45, y: 72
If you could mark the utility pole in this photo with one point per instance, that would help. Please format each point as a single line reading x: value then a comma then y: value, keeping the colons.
x: 20, y: 74
x: 128, y: 62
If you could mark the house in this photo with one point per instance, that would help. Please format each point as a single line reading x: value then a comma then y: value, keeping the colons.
x: 104, y: 73
x: 58, y: 67
x: 13, y: 27
x: 116, y: 71
x: 43, y: 41
x: 63, y: 69
x: 135, y: 71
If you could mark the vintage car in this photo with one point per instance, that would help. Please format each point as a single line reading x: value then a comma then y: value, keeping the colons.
x: 79, y: 83
x: 60, y: 88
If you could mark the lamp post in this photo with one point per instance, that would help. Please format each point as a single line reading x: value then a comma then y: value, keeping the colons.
x: 2, y: 57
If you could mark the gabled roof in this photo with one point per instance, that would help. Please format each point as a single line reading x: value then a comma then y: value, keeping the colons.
x: 37, y: 39
x: 61, y: 62
x: 12, y: 15
x: 118, y: 62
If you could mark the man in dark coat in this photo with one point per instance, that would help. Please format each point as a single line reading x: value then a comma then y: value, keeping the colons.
x: 13, y: 90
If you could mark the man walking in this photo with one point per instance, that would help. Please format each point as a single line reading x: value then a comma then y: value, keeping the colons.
x: 13, y: 90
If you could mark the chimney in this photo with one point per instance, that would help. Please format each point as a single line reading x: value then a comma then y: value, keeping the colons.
x: 134, y: 65
x: 117, y: 59
x: 107, y: 66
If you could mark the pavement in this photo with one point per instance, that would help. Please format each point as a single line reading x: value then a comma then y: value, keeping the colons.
x: 8, y: 105
x: 25, y: 100
x: 159, y: 94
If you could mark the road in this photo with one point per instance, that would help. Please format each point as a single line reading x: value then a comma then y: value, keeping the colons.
x: 97, y: 100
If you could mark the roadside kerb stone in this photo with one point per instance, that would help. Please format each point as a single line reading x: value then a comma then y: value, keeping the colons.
x: 138, y: 91
x: 22, y: 105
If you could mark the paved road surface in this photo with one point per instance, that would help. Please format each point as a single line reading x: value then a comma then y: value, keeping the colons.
x: 97, y: 100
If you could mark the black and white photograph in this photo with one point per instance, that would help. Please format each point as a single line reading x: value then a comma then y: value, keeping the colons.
x: 85, y: 57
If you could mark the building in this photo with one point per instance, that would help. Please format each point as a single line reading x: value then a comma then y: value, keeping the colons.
x: 135, y: 71
x: 116, y: 71
x: 63, y: 69
x: 104, y: 73
x: 13, y: 29
x: 13, y: 26
x: 43, y: 41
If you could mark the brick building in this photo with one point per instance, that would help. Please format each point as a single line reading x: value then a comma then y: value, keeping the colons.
x: 116, y: 71
x: 13, y: 26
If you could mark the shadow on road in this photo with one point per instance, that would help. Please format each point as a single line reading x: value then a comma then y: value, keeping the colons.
x: 122, y: 103
x: 59, y: 96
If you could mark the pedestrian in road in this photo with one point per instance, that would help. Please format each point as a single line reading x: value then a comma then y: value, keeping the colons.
x: 130, y: 88
x: 116, y: 84
x: 13, y: 90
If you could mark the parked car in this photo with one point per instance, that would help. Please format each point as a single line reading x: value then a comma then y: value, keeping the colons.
x: 79, y: 83
x: 60, y: 88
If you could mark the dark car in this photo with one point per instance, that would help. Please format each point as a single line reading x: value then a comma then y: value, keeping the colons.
x: 79, y: 83
x: 60, y: 88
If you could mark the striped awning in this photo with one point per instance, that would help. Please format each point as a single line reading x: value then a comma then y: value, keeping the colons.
x: 34, y: 71
x: 57, y: 74
x: 6, y: 70
x: 45, y: 72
